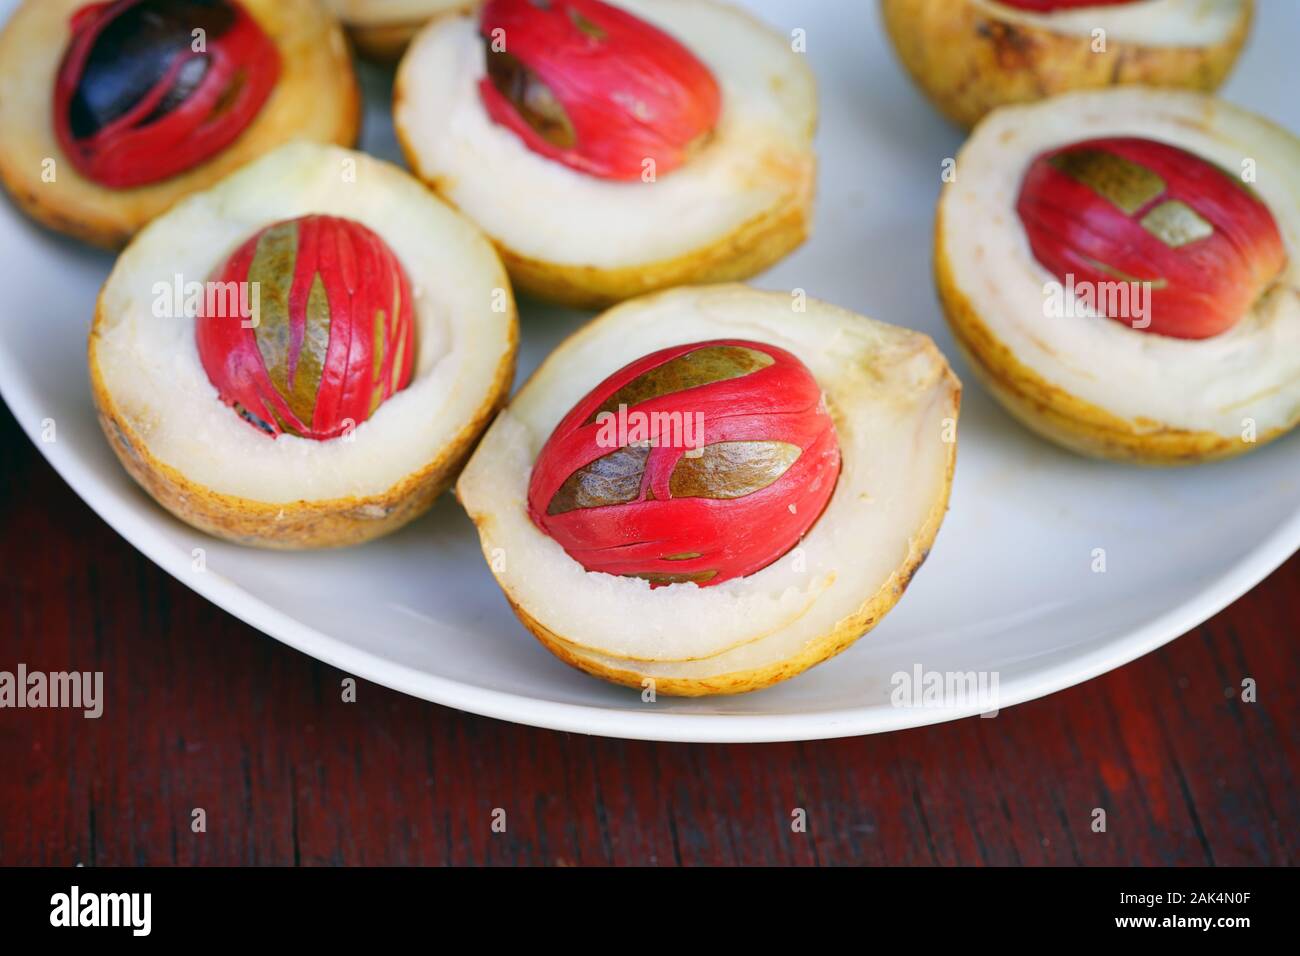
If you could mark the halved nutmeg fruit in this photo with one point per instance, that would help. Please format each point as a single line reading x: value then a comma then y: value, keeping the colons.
x: 1121, y: 269
x: 111, y: 111
x: 381, y: 29
x: 672, y: 139
x: 304, y: 355
x: 972, y: 56
x: 745, y: 505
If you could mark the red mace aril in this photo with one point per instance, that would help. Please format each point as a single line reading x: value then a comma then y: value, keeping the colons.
x: 328, y: 332
x: 1128, y: 210
x: 150, y: 88
x: 594, y: 87
x: 698, y: 463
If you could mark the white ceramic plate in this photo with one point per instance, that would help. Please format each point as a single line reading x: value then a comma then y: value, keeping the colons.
x: 1008, y: 590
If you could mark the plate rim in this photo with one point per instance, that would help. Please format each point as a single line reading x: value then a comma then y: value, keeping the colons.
x: 145, y: 530
x: 142, y: 534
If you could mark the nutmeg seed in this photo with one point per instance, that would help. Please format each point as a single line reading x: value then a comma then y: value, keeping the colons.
x: 331, y: 335
x: 595, y: 87
x: 150, y: 88
x: 1195, y: 239
x: 697, y: 463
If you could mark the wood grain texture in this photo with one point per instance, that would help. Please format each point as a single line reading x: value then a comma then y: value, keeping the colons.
x: 206, y: 712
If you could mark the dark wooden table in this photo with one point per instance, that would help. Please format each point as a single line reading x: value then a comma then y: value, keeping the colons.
x: 207, y: 713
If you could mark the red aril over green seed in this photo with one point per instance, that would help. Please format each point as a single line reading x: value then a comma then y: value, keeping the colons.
x: 698, y: 463
x: 1134, y: 211
x: 148, y: 89
x: 595, y: 87
x: 331, y: 334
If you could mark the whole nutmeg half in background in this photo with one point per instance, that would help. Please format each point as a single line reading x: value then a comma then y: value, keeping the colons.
x: 698, y: 463
x: 332, y: 336
x: 972, y: 56
x: 381, y: 29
